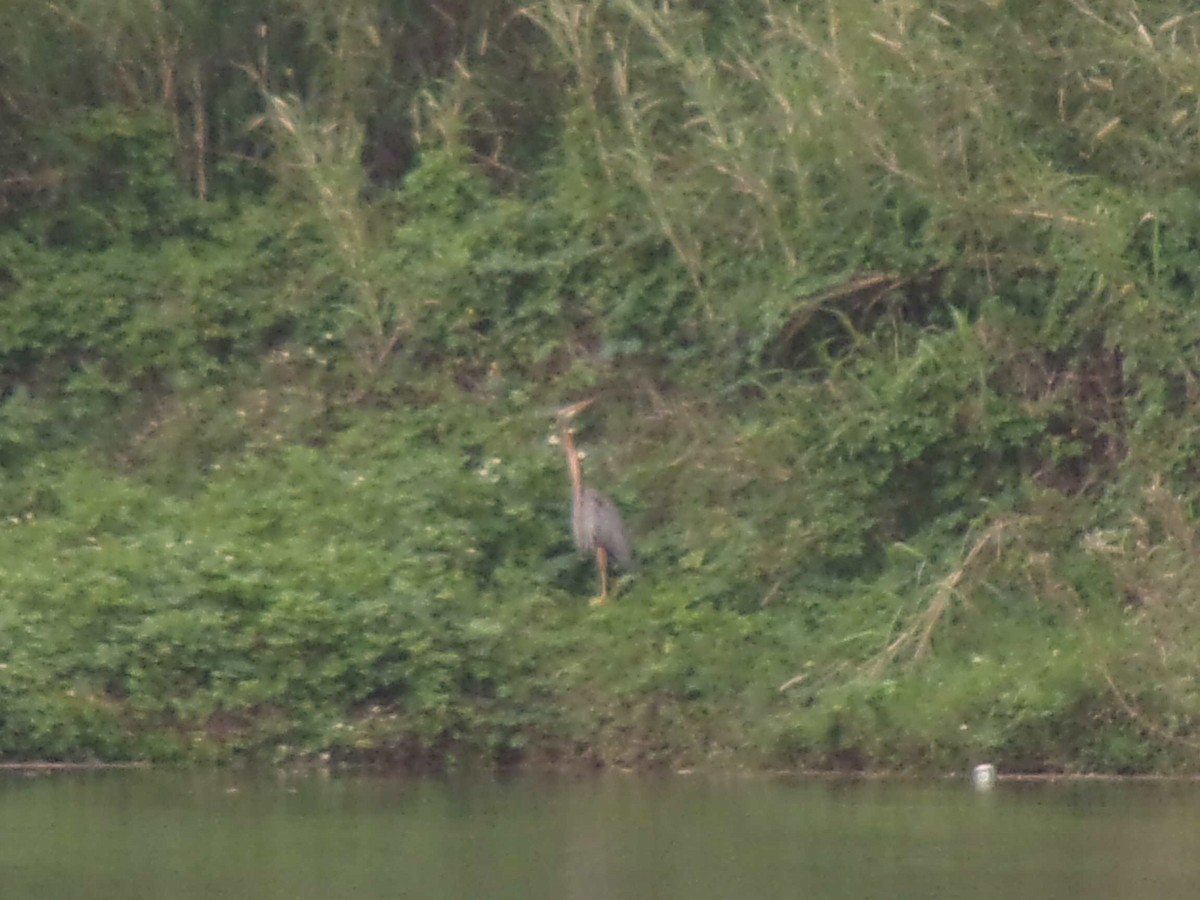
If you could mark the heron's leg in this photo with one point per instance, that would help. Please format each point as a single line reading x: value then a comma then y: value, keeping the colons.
x: 602, y: 565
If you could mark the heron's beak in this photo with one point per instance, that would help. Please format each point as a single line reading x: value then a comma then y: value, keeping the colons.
x: 569, y: 412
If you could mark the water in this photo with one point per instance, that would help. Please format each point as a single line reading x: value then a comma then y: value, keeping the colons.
x: 123, y: 835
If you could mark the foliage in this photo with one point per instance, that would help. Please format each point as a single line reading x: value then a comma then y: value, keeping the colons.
x: 889, y: 308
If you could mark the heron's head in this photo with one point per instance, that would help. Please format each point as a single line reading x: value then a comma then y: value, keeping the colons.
x: 567, y: 413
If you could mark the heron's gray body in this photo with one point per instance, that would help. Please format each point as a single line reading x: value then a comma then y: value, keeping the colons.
x: 595, y: 522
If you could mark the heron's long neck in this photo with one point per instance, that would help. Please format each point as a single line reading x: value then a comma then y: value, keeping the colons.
x: 568, y: 444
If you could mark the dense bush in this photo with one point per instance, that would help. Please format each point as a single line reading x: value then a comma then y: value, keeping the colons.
x: 889, y: 310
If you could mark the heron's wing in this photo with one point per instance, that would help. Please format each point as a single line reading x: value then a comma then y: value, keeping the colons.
x: 607, y: 528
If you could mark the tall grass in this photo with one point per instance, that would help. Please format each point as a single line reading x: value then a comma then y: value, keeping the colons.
x: 889, y: 311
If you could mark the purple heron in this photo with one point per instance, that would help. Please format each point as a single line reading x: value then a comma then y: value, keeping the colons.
x: 595, y: 522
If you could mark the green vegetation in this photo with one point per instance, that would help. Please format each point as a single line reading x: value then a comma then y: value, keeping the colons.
x: 890, y: 311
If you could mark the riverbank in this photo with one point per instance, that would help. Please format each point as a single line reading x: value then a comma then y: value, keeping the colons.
x: 407, y: 595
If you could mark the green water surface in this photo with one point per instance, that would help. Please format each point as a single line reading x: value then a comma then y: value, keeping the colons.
x: 124, y: 835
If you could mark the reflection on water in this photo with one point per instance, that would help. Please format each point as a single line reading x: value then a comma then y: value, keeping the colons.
x: 127, y: 835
